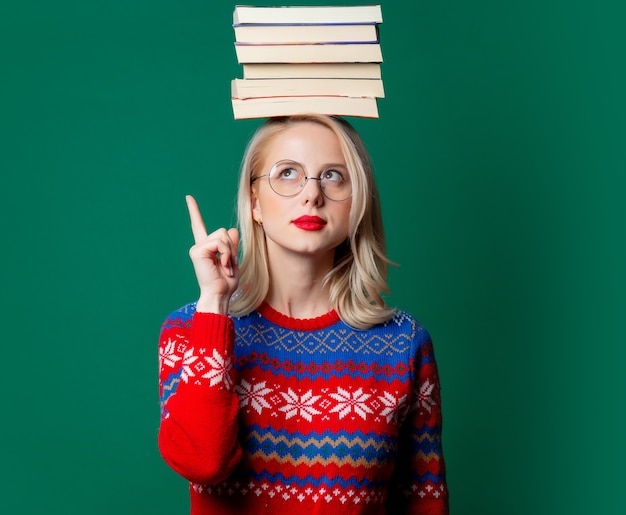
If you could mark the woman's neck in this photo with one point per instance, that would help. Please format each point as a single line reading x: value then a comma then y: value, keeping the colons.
x: 296, y: 287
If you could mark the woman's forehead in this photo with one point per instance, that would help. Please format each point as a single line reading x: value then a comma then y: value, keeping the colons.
x: 305, y: 141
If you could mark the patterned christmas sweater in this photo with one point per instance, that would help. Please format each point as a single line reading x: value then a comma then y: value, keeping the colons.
x: 266, y: 414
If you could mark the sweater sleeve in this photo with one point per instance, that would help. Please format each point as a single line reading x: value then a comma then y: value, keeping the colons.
x: 420, y: 486
x: 198, y: 428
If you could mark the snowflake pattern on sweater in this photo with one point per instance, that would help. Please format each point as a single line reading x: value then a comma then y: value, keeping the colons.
x: 267, y: 414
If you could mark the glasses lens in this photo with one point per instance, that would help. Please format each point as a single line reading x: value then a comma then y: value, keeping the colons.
x: 335, y: 183
x: 287, y: 178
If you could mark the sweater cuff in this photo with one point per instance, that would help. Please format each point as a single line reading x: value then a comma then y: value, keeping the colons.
x: 213, y: 331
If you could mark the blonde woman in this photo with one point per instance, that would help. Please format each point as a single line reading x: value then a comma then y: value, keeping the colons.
x: 290, y: 384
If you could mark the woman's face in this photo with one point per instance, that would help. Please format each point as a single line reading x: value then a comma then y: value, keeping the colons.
x: 307, y: 223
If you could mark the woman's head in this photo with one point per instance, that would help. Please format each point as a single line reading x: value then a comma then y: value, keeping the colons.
x: 302, y: 195
x: 358, y: 275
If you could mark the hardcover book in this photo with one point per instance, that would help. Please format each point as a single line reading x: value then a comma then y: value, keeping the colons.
x: 267, y: 107
x: 311, y: 70
x: 254, y: 88
x: 309, y: 14
x: 306, y: 33
x: 322, y: 53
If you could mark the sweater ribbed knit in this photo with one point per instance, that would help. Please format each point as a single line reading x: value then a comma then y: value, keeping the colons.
x: 266, y: 414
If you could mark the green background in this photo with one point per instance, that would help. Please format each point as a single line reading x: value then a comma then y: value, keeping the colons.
x: 500, y: 152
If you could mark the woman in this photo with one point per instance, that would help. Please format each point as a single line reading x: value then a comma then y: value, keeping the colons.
x: 289, y: 384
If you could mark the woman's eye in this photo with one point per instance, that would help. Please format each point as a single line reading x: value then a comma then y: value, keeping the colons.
x: 332, y: 175
x: 288, y: 173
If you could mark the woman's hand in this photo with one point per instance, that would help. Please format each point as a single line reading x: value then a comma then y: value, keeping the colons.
x: 214, y: 258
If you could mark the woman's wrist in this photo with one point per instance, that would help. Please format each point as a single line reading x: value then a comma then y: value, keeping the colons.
x: 213, y: 304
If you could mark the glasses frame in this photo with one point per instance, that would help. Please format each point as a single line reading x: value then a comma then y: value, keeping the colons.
x: 303, y: 184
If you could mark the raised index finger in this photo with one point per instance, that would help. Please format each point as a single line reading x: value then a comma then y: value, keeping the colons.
x: 197, y: 224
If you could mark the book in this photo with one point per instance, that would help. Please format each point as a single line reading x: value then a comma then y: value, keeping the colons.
x: 268, y: 107
x: 308, y: 14
x: 306, y: 33
x: 253, y: 88
x: 317, y: 53
x: 311, y: 70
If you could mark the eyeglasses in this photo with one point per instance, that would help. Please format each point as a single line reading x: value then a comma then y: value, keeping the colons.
x: 288, y: 178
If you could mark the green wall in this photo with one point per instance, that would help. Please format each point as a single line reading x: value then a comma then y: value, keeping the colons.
x: 500, y: 153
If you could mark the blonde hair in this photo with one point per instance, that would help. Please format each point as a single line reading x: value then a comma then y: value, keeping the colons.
x: 359, y: 274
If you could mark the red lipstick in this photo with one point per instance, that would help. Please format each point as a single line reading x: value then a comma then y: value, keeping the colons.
x: 310, y: 223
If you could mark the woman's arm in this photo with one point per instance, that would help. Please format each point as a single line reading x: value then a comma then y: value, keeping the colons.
x: 198, y: 430
x: 419, y: 485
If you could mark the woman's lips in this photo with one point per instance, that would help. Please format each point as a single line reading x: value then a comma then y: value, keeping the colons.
x: 310, y: 223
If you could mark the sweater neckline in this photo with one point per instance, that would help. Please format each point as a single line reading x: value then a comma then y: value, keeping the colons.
x: 297, y: 324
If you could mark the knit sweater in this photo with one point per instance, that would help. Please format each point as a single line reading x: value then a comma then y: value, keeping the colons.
x: 266, y: 414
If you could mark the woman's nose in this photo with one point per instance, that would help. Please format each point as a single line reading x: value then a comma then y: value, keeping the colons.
x: 313, y: 191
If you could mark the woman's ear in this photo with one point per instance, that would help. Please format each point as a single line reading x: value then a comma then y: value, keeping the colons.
x: 256, y: 208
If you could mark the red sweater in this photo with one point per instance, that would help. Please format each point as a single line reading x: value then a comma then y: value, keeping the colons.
x: 266, y: 414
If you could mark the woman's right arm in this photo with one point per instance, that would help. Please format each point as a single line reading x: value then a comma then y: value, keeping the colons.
x: 198, y: 431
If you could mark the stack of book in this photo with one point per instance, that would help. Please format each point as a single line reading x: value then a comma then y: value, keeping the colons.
x: 323, y: 59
